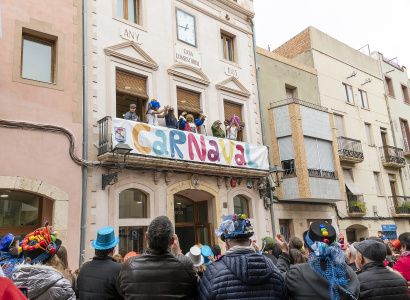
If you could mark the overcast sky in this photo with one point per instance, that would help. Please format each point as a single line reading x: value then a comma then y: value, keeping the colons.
x: 384, y: 25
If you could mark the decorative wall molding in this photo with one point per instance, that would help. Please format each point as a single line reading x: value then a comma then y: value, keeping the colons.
x: 242, y: 92
x: 237, y: 7
x: 203, y: 80
x: 148, y: 62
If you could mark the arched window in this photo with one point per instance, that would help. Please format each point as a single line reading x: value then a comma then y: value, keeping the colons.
x: 241, y: 205
x: 133, y: 204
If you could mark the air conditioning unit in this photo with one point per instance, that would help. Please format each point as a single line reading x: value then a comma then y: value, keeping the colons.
x: 375, y: 208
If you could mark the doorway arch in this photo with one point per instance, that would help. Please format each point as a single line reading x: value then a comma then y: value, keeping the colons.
x: 356, y: 232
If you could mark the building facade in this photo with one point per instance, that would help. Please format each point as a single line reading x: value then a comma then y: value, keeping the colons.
x: 41, y: 119
x: 352, y: 89
x: 196, y: 56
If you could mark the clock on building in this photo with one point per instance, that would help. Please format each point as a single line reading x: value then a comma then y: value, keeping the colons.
x: 186, y: 28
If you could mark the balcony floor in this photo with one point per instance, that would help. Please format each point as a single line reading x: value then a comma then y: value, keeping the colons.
x: 393, y: 165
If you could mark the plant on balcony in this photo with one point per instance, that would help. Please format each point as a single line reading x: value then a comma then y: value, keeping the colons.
x: 403, y: 209
x: 357, y: 207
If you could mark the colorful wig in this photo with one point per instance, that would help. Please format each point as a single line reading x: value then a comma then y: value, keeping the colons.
x: 153, y: 104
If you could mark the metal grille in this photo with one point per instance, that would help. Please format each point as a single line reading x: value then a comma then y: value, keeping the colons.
x: 231, y: 109
x: 131, y: 84
x: 189, y: 101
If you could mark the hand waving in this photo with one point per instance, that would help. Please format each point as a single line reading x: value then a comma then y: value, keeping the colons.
x: 280, y: 240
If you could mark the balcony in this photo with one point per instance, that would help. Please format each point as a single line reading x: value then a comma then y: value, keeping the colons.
x: 357, y: 208
x: 322, y: 173
x: 289, y: 173
x: 170, y: 150
x: 401, y: 205
x: 350, y: 150
x: 392, y: 158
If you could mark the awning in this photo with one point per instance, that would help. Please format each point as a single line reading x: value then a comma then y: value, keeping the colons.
x: 350, y: 183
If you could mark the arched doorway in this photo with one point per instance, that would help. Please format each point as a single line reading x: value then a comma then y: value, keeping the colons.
x: 192, y: 212
x: 356, y: 233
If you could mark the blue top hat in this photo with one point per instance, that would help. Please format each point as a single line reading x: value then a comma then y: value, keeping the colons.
x: 206, y: 251
x: 105, y: 239
x: 6, y: 242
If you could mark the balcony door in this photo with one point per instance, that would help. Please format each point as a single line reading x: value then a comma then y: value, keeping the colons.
x: 392, y: 180
x: 384, y: 142
x: 339, y: 125
x: 191, y: 222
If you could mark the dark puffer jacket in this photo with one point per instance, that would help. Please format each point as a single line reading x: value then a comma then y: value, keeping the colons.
x: 158, y: 275
x: 98, y: 278
x: 378, y: 282
x: 243, y: 275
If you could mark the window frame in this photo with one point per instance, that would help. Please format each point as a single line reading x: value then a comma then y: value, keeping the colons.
x: 345, y: 86
x: 225, y: 36
x: 41, y: 40
x: 388, y: 80
x: 370, y: 136
x: 137, y: 11
x: 405, y: 91
x: 376, y: 176
x: 361, y: 92
x: 405, y: 134
x: 240, y: 137
x: 249, y: 216
x: 147, y: 206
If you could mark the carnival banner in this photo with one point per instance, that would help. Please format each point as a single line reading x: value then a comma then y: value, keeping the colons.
x: 163, y: 142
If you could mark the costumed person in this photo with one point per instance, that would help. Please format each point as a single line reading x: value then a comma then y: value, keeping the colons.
x: 241, y: 273
x: 189, y: 123
x: 153, y: 112
x: 217, y: 131
x: 170, y: 119
x: 43, y: 272
x: 403, y: 264
x: 326, y: 275
x: 9, y: 252
x: 131, y: 115
x: 197, y: 259
x: 233, y: 127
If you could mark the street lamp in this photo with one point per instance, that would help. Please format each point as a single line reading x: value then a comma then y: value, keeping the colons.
x: 276, y: 170
x: 121, y: 154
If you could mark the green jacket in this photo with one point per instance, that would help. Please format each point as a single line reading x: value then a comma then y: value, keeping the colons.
x: 217, y: 132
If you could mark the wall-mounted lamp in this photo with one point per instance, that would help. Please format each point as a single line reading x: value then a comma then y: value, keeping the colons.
x: 354, y: 73
x: 368, y: 80
x: 121, y: 153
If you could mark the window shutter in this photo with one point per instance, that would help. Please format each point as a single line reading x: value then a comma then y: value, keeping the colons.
x: 131, y: 84
x: 325, y: 155
x: 312, y: 154
x: 286, y: 148
x: 231, y: 109
x: 339, y: 125
x: 189, y: 101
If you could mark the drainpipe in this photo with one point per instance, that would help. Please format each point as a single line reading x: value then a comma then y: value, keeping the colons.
x: 272, y: 216
x: 85, y: 141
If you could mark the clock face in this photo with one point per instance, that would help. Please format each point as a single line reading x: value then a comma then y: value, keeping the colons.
x: 186, y: 28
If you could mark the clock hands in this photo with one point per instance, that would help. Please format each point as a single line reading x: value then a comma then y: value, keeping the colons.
x: 185, y: 27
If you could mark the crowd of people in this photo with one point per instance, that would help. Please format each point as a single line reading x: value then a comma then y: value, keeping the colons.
x: 319, y: 265
x: 186, y: 121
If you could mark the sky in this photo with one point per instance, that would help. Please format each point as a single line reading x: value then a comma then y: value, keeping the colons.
x: 384, y: 25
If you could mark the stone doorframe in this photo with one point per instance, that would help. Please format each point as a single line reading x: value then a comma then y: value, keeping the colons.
x: 205, y: 187
x: 44, y: 189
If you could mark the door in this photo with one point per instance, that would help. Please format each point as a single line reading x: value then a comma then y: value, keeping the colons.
x: 339, y: 125
x: 384, y: 142
x: 284, y: 229
x: 393, y: 190
x: 191, y: 222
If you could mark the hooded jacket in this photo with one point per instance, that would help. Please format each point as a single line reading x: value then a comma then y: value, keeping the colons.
x: 378, y: 282
x: 43, y: 282
x: 242, y: 275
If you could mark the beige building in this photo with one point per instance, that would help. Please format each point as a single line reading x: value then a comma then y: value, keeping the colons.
x: 196, y: 56
x: 352, y: 89
x: 41, y: 119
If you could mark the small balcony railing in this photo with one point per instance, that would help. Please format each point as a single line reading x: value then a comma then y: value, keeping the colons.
x: 401, y: 204
x: 104, y: 141
x: 289, y: 173
x: 322, y: 173
x: 350, y: 150
x: 392, y: 157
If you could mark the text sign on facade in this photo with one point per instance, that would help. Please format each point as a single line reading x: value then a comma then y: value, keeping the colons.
x: 389, y: 227
x: 131, y: 35
x: 163, y: 142
x: 188, y: 56
x: 231, y: 71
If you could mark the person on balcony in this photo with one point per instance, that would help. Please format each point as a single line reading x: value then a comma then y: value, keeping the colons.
x: 153, y: 112
x: 233, y: 127
x: 131, y: 115
x: 217, y: 131
x: 189, y: 123
x: 170, y: 119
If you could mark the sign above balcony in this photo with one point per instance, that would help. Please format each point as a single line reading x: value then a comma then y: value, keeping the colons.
x: 131, y: 35
x: 162, y: 142
x: 231, y: 71
x: 187, y: 55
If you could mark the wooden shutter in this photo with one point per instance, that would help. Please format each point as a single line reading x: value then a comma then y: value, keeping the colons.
x: 189, y: 101
x: 231, y: 109
x: 131, y: 84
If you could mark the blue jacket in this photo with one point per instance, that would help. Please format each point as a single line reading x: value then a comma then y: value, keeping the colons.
x: 7, y: 257
x: 243, y: 276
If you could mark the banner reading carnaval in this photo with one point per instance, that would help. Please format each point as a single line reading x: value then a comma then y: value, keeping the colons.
x: 182, y: 145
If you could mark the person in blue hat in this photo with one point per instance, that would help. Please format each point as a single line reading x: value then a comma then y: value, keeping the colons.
x: 9, y: 252
x: 207, y: 253
x: 98, y: 278
x: 241, y: 273
x: 153, y: 112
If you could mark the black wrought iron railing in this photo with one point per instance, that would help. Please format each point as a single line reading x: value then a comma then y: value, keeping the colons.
x: 349, y: 147
x: 322, y: 173
x: 289, y: 173
x: 401, y: 204
x: 391, y: 154
x: 104, y: 140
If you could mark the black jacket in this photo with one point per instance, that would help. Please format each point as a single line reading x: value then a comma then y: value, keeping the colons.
x: 97, y: 279
x: 242, y: 276
x: 158, y: 275
x: 378, y: 282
